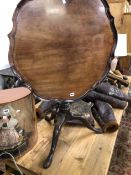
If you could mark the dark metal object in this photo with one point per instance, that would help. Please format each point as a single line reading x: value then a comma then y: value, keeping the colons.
x: 7, y: 79
x: 113, y: 91
x: 115, y: 103
x: 119, y: 79
x: 7, y: 72
x: 61, y: 116
x: 104, y: 115
x: 2, y: 83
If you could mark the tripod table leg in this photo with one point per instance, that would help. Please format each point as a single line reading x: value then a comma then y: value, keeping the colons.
x: 58, y: 126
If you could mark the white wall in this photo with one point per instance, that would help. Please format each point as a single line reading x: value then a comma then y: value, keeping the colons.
x: 121, y: 49
x: 7, y: 8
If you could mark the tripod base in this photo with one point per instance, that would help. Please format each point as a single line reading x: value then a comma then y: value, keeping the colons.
x: 62, y: 116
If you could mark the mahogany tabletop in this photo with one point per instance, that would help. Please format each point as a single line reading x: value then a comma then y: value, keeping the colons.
x: 62, y: 48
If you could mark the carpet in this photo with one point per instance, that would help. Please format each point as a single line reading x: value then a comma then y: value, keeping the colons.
x: 121, y: 158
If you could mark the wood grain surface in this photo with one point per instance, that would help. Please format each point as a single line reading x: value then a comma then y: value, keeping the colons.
x: 126, y: 28
x: 61, y: 50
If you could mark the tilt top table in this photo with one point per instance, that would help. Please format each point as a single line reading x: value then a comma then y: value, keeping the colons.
x: 61, y: 49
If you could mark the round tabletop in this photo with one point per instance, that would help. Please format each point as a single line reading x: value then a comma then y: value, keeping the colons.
x: 62, y: 48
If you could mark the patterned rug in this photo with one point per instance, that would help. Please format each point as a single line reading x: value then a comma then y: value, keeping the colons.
x: 121, y: 159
